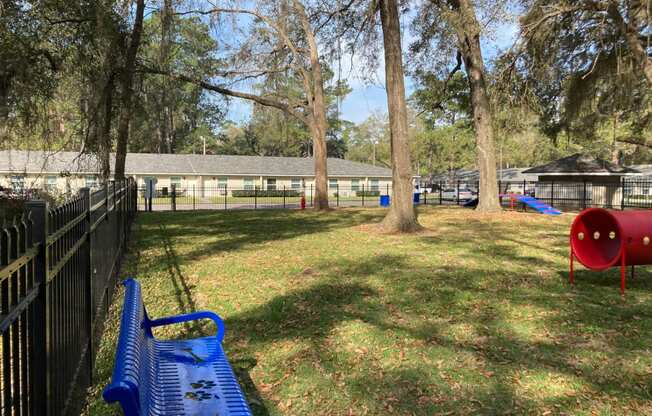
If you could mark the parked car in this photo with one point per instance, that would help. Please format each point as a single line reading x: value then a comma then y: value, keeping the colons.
x: 450, y: 194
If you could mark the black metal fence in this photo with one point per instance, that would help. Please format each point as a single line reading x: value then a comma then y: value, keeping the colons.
x: 224, y: 198
x: 573, y: 196
x: 58, y: 267
x: 624, y: 194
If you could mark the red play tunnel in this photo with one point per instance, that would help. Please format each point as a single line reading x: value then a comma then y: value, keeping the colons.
x: 600, y: 239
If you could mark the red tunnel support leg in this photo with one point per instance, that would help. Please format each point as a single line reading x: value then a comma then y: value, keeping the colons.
x: 622, y: 273
x: 631, y: 275
x: 571, y: 275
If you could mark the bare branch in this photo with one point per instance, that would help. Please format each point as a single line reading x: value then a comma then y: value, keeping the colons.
x: 281, y: 33
x: 457, y: 68
x: 262, y: 100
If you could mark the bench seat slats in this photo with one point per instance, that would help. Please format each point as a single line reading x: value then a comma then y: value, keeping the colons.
x: 154, y: 377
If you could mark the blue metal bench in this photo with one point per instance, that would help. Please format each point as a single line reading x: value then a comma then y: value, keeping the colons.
x: 171, y: 377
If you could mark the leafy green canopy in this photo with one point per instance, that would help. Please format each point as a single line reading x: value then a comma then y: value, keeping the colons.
x: 575, y: 64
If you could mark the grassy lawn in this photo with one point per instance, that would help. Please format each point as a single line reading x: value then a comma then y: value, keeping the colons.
x: 325, y: 316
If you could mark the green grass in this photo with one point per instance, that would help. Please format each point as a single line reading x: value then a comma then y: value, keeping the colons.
x: 325, y: 316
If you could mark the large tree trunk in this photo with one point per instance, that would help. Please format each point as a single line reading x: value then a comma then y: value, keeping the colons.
x: 468, y: 32
x: 318, y: 122
x: 164, y: 62
x: 318, y: 133
x: 105, y: 141
x: 6, y: 76
x: 127, y: 80
x: 401, y: 216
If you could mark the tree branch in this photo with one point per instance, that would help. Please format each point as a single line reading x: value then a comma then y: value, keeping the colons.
x: 266, y: 101
x: 281, y: 33
x: 457, y: 68
x: 636, y: 140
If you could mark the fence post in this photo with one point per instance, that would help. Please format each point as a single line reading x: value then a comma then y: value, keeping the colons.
x: 584, y: 195
x: 193, y: 196
x: 106, y: 200
x: 152, y: 191
x: 425, y: 196
x: 622, y: 193
x: 552, y: 193
x: 283, y: 196
x: 457, y: 193
x: 311, y: 195
x: 85, y: 195
x: 42, y: 400
x: 500, y: 193
x: 255, y: 196
x: 226, y: 195
x: 173, y: 187
x: 114, y: 198
x: 363, y: 191
x: 337, y: 194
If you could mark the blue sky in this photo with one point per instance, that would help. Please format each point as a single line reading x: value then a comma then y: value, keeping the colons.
x: 366, y: 98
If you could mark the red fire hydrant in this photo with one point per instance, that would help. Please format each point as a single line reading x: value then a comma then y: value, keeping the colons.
x: 303, y: 200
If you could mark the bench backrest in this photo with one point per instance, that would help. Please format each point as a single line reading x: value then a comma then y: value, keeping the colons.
x: 130, y: 375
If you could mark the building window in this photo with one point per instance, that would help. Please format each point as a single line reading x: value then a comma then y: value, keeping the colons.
x: 373, y: 185
x: 332, y: 183
x: 249, y: 184
x: 51, y: 183
x: 176, y: 181
x: 355, y: 184
x: 222, y: 182
x: 296, y: 183
x: 146, y: 179
x: 18, y: 183
x: 90, y: 181
x: 271, y: 184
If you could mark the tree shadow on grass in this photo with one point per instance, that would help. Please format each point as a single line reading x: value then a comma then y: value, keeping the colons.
x: 237, y: 230
x: 581, y: 335
x: 182, y: 290
x: 345, y: 293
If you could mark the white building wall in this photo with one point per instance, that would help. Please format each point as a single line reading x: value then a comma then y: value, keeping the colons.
x: 207, y: 183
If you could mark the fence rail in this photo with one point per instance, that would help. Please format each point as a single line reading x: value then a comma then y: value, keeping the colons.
x: 58, y: 267
x: 214, y: 197
x: 624, y: 194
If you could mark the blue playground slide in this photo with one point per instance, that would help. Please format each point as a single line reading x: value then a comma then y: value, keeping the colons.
x: 537, y: 205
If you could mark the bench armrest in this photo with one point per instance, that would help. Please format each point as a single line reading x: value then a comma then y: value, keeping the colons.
x: 192, y: 317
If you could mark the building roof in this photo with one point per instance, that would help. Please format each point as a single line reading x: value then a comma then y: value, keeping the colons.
x: 508, y: 174
x: 646, y: 170
x: 19, y: 161
x: 581, y: 164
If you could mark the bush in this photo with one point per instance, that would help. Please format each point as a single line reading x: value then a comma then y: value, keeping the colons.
x: 12, y: 203
x: 367, y: 193
x: 264, y: 193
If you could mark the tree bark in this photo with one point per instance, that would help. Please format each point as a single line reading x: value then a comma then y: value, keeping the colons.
x: 105, y: 141
x: 401, y: 216
x: 318, y: 121
x: 127, y: 79
x: 164, y: 62
x: 467, y: 29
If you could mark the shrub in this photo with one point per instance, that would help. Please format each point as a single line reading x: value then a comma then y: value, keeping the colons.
x: 12, y: 203
x: 264, y: 193
x: 367, y: 193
